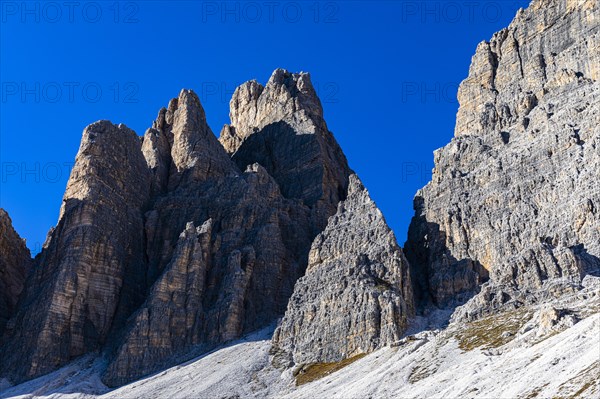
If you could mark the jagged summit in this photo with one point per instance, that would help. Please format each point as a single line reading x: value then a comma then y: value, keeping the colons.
x: 119, y: 276
x: 178, y: 244
x: 356, y: 295
x: 288, y: 97
x: 514, y: 196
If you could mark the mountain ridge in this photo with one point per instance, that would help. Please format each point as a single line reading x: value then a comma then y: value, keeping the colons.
x: 175, y: 244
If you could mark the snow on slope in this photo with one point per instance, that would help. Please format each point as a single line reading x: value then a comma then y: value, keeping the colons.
x: 521, y: 361
x: 547, y: 369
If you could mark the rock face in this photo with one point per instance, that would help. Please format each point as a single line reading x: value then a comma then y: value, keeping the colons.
x: 15, y: 262
x: 90, y: 274
x: 172, y: 244
x: 181, y: 149
x: 224, y: 247
x: 514, y: 197
x: 231, y: 276
x: 356, y: 295
x: 167, y: 247
x: 281, y: 127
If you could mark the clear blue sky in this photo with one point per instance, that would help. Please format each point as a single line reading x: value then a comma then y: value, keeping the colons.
x: 386, y: 71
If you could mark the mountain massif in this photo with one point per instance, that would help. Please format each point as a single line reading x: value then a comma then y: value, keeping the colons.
x: 177, y: 244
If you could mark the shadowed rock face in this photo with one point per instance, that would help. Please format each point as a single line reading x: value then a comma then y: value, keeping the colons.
x: 230, y: 277
x: 281, y: 126
x: 356, y: 295
x: 90, y: 274
x: 165, y: 244
x: 15, y: 262
x: 514, y: 196
x: 239, y: 272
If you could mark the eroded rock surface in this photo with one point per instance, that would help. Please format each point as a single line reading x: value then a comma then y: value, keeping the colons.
x: 281, y: 127
x: 356, y: 295
x: 15, y: 262
x: 263, y: 221
x: 244, y: 265
x: 514, y: 197
x: 90, y: 275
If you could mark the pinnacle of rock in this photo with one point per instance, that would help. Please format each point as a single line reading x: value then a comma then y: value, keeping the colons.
x: 90, y: 276
x: 356, y: 295
x: 174, y: 244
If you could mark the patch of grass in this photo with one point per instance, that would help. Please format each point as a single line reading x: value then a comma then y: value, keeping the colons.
x: 493, y: 331
x: 420, y: 372
x: 532, y: 394
x: 316, y: 371
x: 584, y: 388
x: 585, y: 379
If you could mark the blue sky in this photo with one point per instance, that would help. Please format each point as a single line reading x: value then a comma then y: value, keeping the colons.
x: 386, y: 71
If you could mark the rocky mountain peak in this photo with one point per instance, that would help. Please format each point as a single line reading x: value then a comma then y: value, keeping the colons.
x: 512, y: 197
x: 90, y: 276
x: 173, y: 245
x: 180, y: 148
x: 356, y: 295
x: 281, y: 127
x: 288, y: 97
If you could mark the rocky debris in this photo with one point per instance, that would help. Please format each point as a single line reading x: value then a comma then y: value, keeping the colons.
x: 514, y: 197
x: 15, y: 263
x: 90, y: 275
x: 356, y: 295
x: 281, y: 127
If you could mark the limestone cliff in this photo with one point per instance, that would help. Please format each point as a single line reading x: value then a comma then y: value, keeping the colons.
x: 169, y: 246
x: 262, y: 222
x: 356, y: 295
x: 90, y: 274
x: 514, y: 197
x: 177, y: 242
x: 281, y: 127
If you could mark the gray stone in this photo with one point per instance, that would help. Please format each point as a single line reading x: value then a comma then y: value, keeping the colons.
x: 356, y: 295
x: 281, y: 127
x: 90, y: 275
x: 262, y: 224
x: 514, y: 197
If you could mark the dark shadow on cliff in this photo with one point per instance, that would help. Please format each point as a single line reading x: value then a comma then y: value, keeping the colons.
x: 440, y: 281
x: 292, y: 159
x: 590, y: 264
